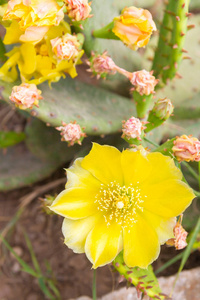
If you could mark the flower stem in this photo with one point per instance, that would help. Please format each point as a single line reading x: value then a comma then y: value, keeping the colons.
x: 94, y: 292
x: 190, y: 169
x: 150, y: 142
x: 105, y: 32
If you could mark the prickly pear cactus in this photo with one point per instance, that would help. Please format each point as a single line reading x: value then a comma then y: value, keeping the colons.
x: 144, y: 280
x: 170, y: 50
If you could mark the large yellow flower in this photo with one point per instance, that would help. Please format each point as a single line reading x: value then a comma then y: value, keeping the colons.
x: 34, y: 17
x: 116, y: 201
x: 38, y: 63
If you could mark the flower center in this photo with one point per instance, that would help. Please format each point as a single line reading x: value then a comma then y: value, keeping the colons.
x: 119, y: 203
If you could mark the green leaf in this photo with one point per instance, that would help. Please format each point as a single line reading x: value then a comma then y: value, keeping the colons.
x: 10, y: 138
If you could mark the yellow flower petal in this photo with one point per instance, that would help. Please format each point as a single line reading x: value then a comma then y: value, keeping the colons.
x: 28, y: 65
x: 168, y: 198
x: 141, y: 244
x: 75, y: 203
x: 163, y: 227
x: 103, y: 162
x: 76, y: 232
x: 11, y: 38
x: 136, y: 167
x: 167, y: 171
x: 79, y: 177
x: 103, y: 243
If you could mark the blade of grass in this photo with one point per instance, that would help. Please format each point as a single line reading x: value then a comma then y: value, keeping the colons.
x: 169, y: 263
x: 45, y: 289
x: 33, y: 257
x: 25, y: 266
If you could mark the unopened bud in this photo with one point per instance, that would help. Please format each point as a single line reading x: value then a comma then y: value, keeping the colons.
x: 78, y: 10
x: 163, y: 108
x: 101, y: 65
x: 71, y: 133
x: 46, y: 202
x: 133, y: 129
x: 25, y: 95
x: 161, y: 111
x: 66, y: 47
x: 144, y: 82
x: 186, y: 148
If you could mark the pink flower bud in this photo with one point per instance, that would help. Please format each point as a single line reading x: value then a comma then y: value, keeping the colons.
x: 163, y: 108
x: 25, y: 95
x: 132, y: 128
x: 186, y: 148
x: 66, y: 47
x: 71, y: 133
x: 143, y: 81
x: 101, y: 65
x: 78, y: 10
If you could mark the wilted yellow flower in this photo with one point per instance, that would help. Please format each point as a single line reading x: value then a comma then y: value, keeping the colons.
x: 34, y: 17
x: 25, y: 95
x: 144, y: 82
x: 71, y: 133
x: 134, y: 27
x: 116, y: 201
x: 38, y: 63
x: 78, y: 10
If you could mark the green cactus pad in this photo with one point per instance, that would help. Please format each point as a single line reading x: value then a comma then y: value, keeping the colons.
x: 143, y: 279
x: 173, y: 29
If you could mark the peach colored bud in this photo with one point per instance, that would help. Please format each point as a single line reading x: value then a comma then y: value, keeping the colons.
x: 71, y: 133
x: 143, y: 81
x: 186, y: 148
x: 163, y: 108
x: 25, y: 95
x: 78, y: 10
x: 66, y: 47
x: 134, y: 27
x: 132, y: 128
x: 101, y: 65
x: 180, y: 236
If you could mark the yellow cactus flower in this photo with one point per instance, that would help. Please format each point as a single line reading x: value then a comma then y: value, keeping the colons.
x: 134, y: 27
x: 116, y: 201
x: 34, y: 17
x: 44, y: 64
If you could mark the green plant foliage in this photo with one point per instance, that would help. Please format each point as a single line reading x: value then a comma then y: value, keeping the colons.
x: 10, y: 138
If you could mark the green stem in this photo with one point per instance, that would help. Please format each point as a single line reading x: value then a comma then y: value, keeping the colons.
x: 150, y: 142
x: 190, y: 169
x: 105, y: 32
x: 94, y: 292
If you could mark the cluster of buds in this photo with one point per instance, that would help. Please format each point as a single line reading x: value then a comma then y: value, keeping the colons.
x: 66, y: 47
x: 179, y: 242
x: 71, y: 133
x: 25, y: 95
x: 133, y: 130
x: 101, y: 65
x: 144, y: 82
x: 161, y: 111
x: 186, y: 148
x: 134, y: 27
x: 78, y: 10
